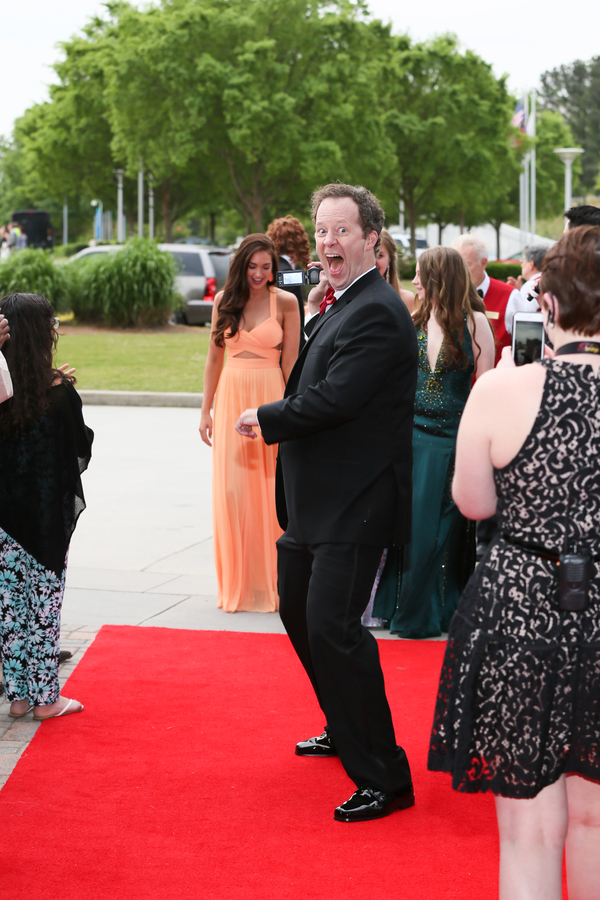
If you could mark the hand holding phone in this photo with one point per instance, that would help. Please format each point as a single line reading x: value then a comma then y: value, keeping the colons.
x: 528, y: 337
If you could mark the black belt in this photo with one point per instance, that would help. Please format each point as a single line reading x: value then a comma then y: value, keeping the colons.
x: 536, y: 549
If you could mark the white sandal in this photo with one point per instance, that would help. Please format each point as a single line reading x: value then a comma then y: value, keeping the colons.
x: 65, y: 711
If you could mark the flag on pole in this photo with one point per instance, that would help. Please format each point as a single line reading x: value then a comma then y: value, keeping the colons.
x: 518, y: 119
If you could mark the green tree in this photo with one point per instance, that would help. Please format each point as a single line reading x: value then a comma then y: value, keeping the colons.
x: 252, y: 103
x: 450, y: 124
x: 573, y: 91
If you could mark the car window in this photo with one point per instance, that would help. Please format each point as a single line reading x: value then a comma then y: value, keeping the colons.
x: 421, y: 242
x: 188, y: 263
x: 220, y: 262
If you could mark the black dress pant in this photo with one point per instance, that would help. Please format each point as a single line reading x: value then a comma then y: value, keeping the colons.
x: 323, y: 592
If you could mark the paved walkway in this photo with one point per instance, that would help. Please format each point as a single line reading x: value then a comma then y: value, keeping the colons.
x: 142, y: 550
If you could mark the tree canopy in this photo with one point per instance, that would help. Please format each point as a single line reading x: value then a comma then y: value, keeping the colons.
x: 241, y: 106
x: 574, y: 92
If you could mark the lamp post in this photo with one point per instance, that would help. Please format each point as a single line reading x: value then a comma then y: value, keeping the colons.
x: 150, y: 206
x: 97, y: 219
x: 65, y: 222
x: 141, y: 201
x: 120, y: 230
x: 568, y: 154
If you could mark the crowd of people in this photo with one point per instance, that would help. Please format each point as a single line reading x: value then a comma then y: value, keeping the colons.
x: 12, y: 237
x: 357, y: 439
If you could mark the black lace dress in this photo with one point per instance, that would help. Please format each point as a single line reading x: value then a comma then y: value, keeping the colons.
x: 518, y: 702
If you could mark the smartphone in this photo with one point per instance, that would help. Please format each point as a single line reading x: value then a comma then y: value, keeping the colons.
x: 528, y: 337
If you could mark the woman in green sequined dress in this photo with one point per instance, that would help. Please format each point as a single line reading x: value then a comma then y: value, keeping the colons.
x: 456, y: 344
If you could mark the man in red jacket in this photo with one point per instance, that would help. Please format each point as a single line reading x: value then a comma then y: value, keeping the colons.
x: 495, y: 294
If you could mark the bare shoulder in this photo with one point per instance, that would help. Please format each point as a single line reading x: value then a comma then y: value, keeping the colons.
x: 218, y: 298
x: 286, y: 302
x: 478, y: 321
x: 408, y: 298
x: 506, y: 385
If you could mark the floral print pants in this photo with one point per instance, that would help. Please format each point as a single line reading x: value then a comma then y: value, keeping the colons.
x: 30, y: 604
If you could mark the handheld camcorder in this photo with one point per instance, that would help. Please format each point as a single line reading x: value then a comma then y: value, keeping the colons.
x: 296, y: 277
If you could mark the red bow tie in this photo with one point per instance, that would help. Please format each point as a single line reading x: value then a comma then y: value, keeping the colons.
x: 327, y: 300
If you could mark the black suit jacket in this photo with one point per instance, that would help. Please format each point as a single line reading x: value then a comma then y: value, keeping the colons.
x: 344, y: 472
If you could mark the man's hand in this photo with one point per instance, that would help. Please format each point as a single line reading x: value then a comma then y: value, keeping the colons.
x: 318, y: 292
x: 515, y: 282
x: 246, y: 423
x: 4, y: 330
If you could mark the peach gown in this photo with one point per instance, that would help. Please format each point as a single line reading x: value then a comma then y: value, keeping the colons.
x: 245, y: 522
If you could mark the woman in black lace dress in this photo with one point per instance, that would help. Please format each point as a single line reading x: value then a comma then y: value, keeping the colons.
x: 518, y: 707
x: 44, y: 447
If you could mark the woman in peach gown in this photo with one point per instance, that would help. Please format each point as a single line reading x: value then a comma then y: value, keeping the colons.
x: 256, y: 329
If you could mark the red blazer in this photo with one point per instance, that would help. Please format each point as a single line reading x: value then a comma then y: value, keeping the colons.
x: 495, y: 301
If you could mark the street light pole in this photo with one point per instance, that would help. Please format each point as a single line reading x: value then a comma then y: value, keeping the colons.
x: 532, y: 186
x: 120, y: 230
x: 150, y: 206
x: 568, y: 154
x: 98, y: 211
x: 65, y: 223
x: 141, y: 201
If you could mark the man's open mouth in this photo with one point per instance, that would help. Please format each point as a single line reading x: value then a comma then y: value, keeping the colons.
x: 335, y: 264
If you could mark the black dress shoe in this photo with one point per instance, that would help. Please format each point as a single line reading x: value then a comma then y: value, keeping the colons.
x: 63, y: 656
x: 367, y: 803
x: 317, y: 746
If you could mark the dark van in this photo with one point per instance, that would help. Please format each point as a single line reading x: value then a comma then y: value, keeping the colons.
x: 36, y: 225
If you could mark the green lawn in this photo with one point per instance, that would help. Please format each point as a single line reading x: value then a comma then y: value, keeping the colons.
x: 135, y: 361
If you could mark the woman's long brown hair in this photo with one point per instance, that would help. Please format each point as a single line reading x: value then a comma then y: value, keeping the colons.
x: 29, y: 356
x: 236, y: 291
x: 389, y: 244
x: 450, y: 291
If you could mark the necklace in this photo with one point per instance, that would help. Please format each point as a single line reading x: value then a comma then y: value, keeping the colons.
x: 580, y: 347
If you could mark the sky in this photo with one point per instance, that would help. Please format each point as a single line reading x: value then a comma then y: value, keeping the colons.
x: 519, y: 38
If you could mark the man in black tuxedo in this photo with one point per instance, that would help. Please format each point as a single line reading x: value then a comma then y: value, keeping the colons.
x: 344, y: 492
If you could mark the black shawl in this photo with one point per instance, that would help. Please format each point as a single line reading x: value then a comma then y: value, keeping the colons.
x: 41, y: 495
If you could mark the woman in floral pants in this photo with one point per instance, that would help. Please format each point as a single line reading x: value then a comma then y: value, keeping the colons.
x: 44, y: 447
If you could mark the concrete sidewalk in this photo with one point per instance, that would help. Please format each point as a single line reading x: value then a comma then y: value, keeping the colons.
x: 142, y: 550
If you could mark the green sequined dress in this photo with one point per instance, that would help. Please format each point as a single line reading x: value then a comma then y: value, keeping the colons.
x: 421, y: 595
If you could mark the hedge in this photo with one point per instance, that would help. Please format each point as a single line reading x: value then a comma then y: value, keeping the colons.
x: 132, y: 287
x: 33, y: 272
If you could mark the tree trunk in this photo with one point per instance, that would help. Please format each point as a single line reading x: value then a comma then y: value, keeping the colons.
x: 441, y: 227
x: 213, y: 225
x: 167, y: 211
x: 497, y: 226
x: 461, y: 221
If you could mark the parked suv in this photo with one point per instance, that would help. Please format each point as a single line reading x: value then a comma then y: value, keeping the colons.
x: 202, y: 273
x: 403, y: 240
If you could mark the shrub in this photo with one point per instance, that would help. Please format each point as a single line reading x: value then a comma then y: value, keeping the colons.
x: 33, y: 272
x: 501, y: 271
x: 133, y: 287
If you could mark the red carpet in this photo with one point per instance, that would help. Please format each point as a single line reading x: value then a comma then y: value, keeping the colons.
x: 179, y: 781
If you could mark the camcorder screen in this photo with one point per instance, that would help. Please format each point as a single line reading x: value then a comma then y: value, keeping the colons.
x: 293, y: 277
x: 528, y: 342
